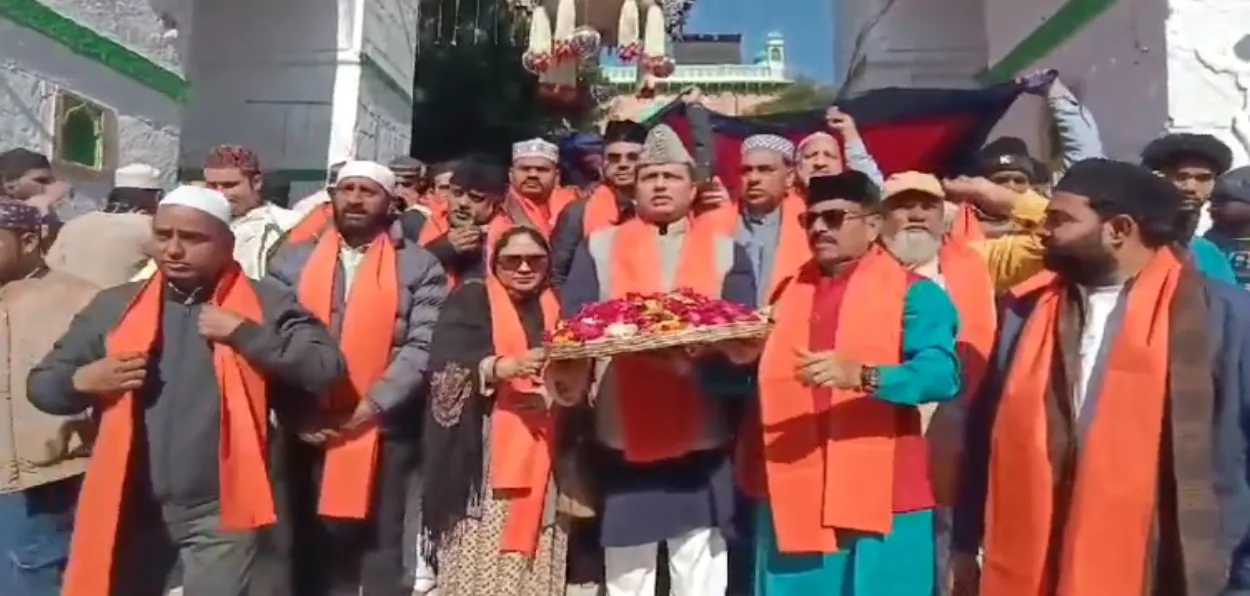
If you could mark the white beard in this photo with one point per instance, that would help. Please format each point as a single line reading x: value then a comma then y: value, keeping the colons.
x: 913, y: 247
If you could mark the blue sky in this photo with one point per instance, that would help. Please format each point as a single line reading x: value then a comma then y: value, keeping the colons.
x: 806, y: 24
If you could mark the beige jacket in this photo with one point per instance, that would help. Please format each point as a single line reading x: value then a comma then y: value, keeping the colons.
x: 37, y: 448
x: 105, y: 249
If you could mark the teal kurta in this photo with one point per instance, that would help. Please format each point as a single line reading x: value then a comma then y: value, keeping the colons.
x: 902, y: 563
x: 1211, y: 260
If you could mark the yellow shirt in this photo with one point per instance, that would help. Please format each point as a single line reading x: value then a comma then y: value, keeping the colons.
x: 1016, y: 256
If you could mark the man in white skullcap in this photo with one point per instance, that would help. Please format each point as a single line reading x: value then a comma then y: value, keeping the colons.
x: 381, y: 295
x: 182, y: 371
x: 536, y: 197
x: 107, y: 247
x: 665, y: 478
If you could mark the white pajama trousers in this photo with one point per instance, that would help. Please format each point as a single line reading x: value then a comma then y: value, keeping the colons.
x: 698, y: 564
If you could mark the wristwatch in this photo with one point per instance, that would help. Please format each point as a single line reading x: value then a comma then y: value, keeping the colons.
x: 870, y: 378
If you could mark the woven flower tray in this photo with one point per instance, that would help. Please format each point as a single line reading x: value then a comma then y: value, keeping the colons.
x: 603, y: 348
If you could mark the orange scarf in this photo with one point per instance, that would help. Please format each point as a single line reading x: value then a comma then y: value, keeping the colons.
x: 601, y: 211
x: 645, y: 387
x: 368, y: 319
x: 246, y: 494
x: 1106, y: 544
x: 313, y: 224
x: 966, y: 227
x: 436, y: 224
x: 544, y: 214
x: 811, y: 454
x: 522, y: 440
x: 972, y: 290
x: 792, y: 248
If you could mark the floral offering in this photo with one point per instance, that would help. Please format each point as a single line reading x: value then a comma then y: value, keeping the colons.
x: 640, y: 315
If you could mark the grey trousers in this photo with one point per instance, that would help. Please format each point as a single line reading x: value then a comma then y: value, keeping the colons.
x: 213, y: 562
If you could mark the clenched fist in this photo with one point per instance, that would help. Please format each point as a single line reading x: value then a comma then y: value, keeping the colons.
x: 112, y: 374
x: 217, y: 323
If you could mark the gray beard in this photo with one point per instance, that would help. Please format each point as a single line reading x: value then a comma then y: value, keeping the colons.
x: 913, y: 247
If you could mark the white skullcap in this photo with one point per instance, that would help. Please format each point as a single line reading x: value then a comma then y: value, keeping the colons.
x: 201, y: 199
x: 814, y: 136
x: 369, y: 170
x: 774, y: 143
x: 137, y: 175
x: 536, y: 148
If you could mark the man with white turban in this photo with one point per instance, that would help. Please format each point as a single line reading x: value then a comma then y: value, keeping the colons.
x: 182, y: 371
x: 380, y: 294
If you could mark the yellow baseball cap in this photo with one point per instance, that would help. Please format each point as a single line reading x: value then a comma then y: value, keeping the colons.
x: 913, y: 182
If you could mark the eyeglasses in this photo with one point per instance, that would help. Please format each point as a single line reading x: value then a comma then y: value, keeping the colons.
x: 832, y: 218
x: 514, y: 262
x: 631, y: 157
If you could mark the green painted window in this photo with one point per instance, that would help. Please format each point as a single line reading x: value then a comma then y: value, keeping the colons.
x: 80, y: 127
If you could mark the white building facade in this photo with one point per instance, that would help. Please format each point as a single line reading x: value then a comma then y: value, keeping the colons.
x: 1143, y: 67
x: 100, y: 83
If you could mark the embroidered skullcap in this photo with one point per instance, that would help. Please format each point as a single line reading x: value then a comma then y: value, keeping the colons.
x: 766, y: 142
x: 1117, y: 187
x: 1170, y: 148
x: 371, y: 171
x: 406, y: 163
x: 921, y: 182
x: 1234, y: 185
x: 223, y: 157
x: 19, y: 217
x: 14, y: 163
x: 1007, y: 154
x: 201, y: 199
x: 850, y: 185
x: 480, y: 174
x: 663, y: 146
x: 137, y: 175
x: 818, y: 135
x: 624, y: 131
x: 536, y: 148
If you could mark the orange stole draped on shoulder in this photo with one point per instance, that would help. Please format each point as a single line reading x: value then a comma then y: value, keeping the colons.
x: 246, y: 494
x: 316, y: 221
x: 831, y: 467
x: 601, y: 211
x: 661, y: 411
x: 522, y: 440
x: 544, y: 214
x: 436, y: 224
x: 965, y: 227
x: 365, y: 340
x: 1106, y: 544
x: 792, y: 248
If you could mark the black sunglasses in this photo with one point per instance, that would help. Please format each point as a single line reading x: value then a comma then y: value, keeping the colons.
x: 832, y: 218
x: 514, y: 262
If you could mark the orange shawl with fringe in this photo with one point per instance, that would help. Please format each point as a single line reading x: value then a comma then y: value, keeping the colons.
x: 645, y: 387
x: 365, y: 340
x: 522, y: 440
x: 813, y: 447
x: 1107, y: 536
x: 246, y: 494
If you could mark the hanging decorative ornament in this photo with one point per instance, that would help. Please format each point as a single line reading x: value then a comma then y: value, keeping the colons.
x: 537, y: 56
x: 655, y: 44
x: 662, y: 67
x: 562, y: 35
x: 586, y: 42
x: 558, y: 86
x: 628, y: 43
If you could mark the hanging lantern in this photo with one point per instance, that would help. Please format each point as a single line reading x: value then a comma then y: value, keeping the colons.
x: 562, y: 34
x: 628, y: 40
x: 537, y: 56
x: 586, y: 42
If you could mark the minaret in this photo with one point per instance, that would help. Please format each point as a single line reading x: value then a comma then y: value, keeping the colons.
x: 775, y: 53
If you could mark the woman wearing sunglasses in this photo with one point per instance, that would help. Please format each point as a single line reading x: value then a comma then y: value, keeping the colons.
x: 490, y: 431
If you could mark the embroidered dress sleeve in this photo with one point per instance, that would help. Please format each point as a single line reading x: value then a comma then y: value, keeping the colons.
x: 930, y: 368
x: 407, y: 371
x: 1017, y: 256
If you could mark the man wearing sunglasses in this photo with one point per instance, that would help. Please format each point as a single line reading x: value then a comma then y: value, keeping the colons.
x: 838, y: 461
x: 609, y: 203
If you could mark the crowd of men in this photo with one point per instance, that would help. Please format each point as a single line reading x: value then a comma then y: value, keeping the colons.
x: 1014, y: 381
